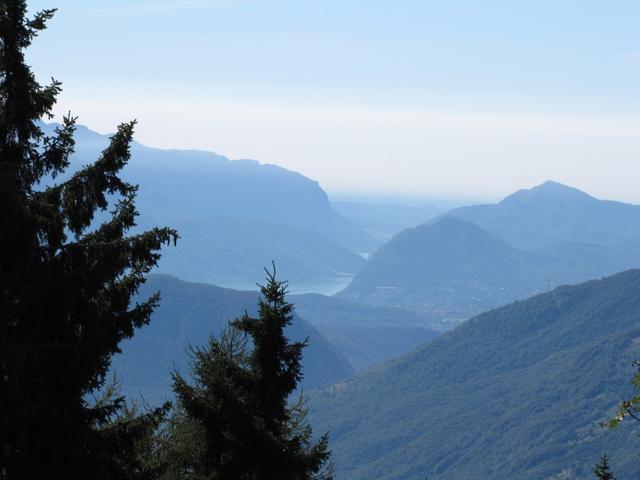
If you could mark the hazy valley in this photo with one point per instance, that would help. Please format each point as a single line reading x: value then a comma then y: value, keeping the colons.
x: 420, y: 260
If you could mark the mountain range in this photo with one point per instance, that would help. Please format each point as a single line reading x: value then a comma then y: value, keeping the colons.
x: 551, y: 214
x: 236, y: 216
x: 454, y: 267
x: 517, y: 392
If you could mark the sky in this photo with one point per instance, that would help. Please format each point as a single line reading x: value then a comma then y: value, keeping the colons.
x: 467, y: 99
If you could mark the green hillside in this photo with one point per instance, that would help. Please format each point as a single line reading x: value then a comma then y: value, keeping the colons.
x: 514, y: 393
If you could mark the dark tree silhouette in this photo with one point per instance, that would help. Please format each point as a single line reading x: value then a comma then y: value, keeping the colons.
x: 65, y: 281
x: 237, y: 414
x: 602, y: 470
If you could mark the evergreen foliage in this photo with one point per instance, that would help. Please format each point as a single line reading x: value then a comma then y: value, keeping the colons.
x: 65, y: 282
x: 630, y: 407
x: 261, y: 212
x: 602, y: 470
x: 238, y: 407
x: 188, y: 314
x: 129, y: 434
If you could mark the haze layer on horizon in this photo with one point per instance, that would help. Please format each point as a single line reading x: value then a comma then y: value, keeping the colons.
x: 458, y: 99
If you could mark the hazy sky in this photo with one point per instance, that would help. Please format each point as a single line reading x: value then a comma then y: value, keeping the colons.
x: 421, y: 98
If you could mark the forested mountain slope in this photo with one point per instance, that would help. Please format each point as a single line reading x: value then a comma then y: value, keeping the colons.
x: 517, y: 392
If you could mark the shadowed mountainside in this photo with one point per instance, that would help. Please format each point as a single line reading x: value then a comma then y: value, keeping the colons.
x: 365, y: 335
x: 188, y: 313
x: 236, y: 216
x: 448, y: 269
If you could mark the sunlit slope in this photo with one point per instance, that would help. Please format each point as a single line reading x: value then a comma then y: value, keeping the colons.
x: 516, y: 392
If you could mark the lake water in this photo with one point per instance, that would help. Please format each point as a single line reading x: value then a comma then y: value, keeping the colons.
x: 329, y: 287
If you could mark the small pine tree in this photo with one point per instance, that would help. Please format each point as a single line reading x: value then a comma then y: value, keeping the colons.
x: 238, y: 407
x: 128, y: 434
x: 65, y: 284
x: 602, y: 470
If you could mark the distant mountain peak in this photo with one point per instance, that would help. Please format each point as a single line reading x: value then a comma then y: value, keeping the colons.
x: 553, y: 187
x: 548, y: 190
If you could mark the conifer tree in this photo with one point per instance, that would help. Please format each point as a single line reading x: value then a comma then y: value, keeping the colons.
x: 629, y: 407
x: 65, y: 282
x: 602, y: 470
x: 238, y: 412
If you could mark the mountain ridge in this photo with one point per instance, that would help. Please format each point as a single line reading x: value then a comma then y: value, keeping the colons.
x: 553, y: 213
x: 211, y: 200
x: 471, y: 259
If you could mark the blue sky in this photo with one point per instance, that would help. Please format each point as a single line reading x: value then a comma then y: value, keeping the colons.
x: 420, y: 98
